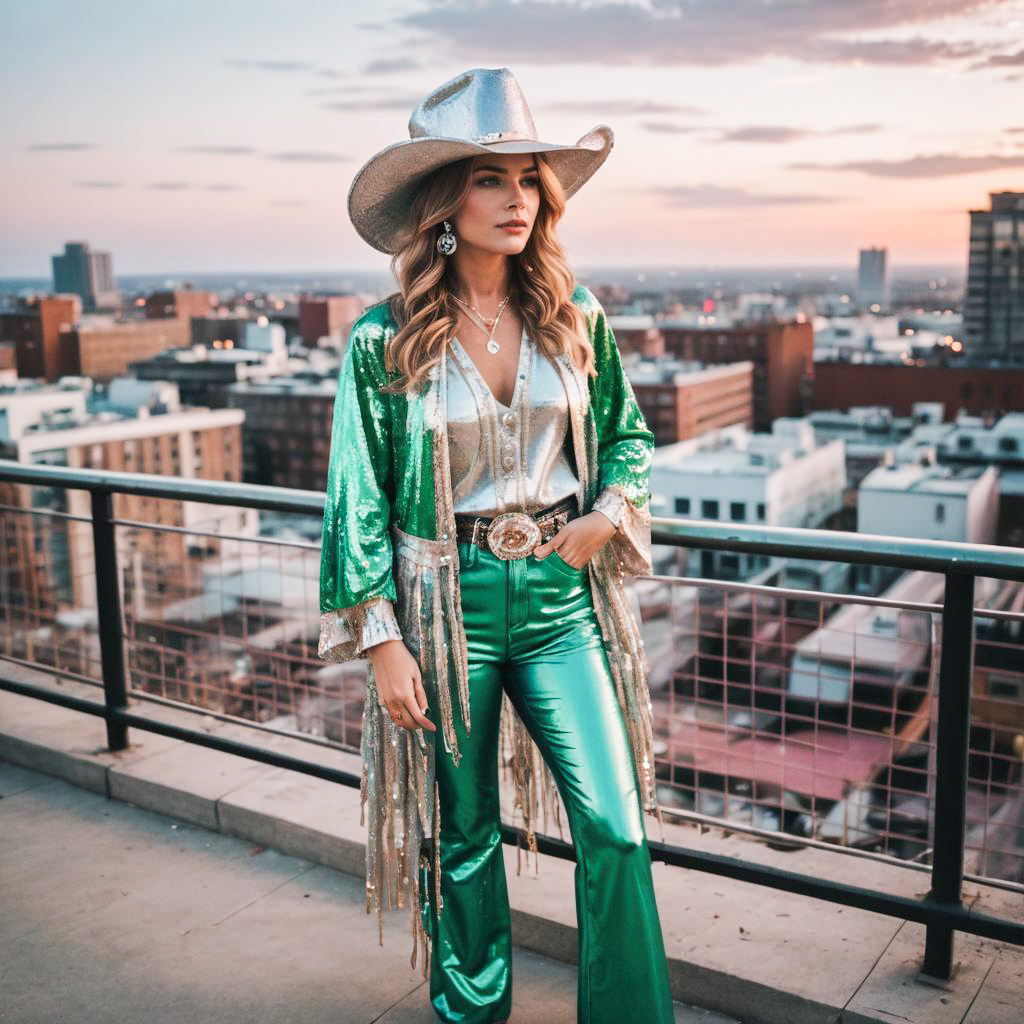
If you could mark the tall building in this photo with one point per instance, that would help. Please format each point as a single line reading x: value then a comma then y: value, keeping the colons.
x: 872, y: 280
x: 38, y: 328
x: 994, y: 308
x: 328, y: 315
x: 87, y: 274
x: 781, y: 353
x: 180, y: 304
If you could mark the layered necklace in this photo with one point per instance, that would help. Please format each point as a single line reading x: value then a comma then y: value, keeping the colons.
x: 485, y: 323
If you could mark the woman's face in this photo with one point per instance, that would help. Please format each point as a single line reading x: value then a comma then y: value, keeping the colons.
x: 504, y: 187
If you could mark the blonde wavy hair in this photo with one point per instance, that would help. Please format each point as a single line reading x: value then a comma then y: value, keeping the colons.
x: 541, y: 281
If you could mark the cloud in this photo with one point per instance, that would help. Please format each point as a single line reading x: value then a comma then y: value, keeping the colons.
x: 374, y: 103
x: 270, y: 65
x: 787, y: 133
x: 166, y: 186
x: 309, y: 157
x: 692, y: 32
x: 48, y: 147
x: 1000, y: 60
x: 670, y: 127
x: 937, y: 165
x: 348, y: 89
x: 1015, y: 130
x: 896, y: 51
x: 763, y: 133
x: 220, y: 150
x: 389, y: 65
x: 855, y: 129
x: 708, y: 195
x: 620, y: 107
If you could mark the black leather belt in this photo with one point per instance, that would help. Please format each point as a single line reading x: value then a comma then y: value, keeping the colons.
x: 516, y: 534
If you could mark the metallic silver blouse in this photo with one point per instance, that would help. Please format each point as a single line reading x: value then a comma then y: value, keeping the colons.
x: 502, y: 458
x: 508, y: 457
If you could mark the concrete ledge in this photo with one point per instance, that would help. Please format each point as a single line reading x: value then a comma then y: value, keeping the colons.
x: 762, y: 956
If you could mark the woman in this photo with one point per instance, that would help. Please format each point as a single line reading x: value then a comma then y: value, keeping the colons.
x: 487, y: 495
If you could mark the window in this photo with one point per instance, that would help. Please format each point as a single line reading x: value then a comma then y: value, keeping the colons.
x: 965, y: 444
x: 683, y: 506
x: 1007, y: 444
x: 709, y: 509
x: 737, y: 511
x: 940, y: 513
x: 1005, y: 689
x: 760, y: 511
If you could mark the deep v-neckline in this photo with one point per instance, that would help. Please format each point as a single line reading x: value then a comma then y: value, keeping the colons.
x: 520, y: 370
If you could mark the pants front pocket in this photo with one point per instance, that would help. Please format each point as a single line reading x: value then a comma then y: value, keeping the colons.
x: 562, y: 565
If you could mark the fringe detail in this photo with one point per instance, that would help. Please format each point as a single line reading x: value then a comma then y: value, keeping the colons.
x: 533, y: 784
x: 399, y: 765
x: 437, y: 408
x: 627, y: 659
x: 398, y: 775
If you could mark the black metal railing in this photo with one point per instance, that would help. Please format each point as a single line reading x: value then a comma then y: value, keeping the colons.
x: 941, y: 910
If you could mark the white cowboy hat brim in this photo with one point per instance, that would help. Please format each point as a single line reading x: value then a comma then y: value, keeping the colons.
x: 381, y: 191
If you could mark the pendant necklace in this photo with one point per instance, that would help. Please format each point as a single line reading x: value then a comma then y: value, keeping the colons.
x: 486, y: 324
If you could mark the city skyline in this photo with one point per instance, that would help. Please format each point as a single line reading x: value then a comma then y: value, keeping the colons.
x: 745, y: 133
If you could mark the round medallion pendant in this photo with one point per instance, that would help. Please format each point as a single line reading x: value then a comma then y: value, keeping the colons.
x: 446, y: 244
x: 492, y: 346
x: 513, y: 535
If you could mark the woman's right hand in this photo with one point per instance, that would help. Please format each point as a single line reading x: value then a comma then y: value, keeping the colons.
x: 399, y: 684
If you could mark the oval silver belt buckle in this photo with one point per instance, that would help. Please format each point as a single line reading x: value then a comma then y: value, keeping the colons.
x: 513, y: 535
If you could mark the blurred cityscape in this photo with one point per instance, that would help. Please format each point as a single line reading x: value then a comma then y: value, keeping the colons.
x: 793, y: 697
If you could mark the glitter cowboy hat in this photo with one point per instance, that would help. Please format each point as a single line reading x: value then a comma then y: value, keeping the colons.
x: 483, y: 110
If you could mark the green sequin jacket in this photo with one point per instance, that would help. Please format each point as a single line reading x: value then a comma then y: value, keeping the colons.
x: 389, y: 567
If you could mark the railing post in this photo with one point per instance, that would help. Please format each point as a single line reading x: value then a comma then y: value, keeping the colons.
x: 108, y: 609
x: 951, y: 745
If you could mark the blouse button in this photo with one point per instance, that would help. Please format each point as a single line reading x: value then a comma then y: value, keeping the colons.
x: 509, y: 419
x: 508, y: 463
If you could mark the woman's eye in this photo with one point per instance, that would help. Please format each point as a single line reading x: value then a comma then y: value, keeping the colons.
x: 530, y: 182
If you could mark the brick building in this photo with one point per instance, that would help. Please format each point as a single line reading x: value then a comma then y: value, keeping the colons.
x: 781, y: 354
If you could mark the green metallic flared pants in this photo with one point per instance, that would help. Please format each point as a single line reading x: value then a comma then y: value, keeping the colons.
x: 532, y: 631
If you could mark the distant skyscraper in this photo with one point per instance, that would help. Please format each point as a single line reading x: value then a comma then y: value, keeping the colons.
x: 85, y: 273
x: 872, y: 283
x: 994, y: 308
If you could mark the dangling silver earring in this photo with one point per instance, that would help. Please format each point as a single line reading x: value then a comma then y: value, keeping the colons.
x: 446, y: 243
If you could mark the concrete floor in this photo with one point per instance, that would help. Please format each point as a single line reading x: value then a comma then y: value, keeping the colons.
x: 123, y: 872
x: 114, y: 913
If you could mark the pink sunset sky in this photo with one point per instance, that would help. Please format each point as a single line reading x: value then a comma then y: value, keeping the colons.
x: 223, y: 136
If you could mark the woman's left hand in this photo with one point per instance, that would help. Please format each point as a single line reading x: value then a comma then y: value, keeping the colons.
x: 579, y: 539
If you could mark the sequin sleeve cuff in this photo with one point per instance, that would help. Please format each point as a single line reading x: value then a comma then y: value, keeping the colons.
x: 630, y: 544
x: 611, y: 504
x: 346, y: 633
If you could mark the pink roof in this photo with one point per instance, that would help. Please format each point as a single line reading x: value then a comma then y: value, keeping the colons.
x: 820, y: 763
